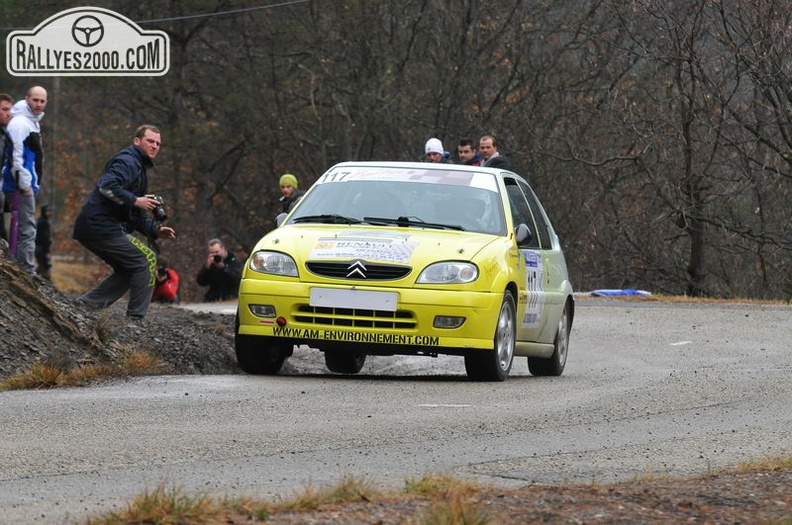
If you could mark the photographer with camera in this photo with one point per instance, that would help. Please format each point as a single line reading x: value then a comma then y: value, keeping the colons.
x: 112, y: 213
x: 166, y: 289
x: 222, y: 272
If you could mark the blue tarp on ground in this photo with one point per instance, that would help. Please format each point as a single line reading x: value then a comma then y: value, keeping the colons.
x: 616, y: 292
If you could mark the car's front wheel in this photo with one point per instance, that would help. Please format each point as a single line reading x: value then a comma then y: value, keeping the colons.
x: 260, y: 355
x: 495, y: 364
x: 345, y: 361
x: 554, y: 365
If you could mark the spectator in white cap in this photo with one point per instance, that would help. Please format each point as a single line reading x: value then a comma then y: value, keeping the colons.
x: 434, y: 151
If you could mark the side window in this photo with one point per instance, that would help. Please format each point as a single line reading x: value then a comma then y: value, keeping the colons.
x: 541, y: 223
x: 521, y: 212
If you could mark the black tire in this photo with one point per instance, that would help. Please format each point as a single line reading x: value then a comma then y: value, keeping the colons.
x: 495, y: 364
x: 345, y: 361
x: 554, y: 365
x: 260, y: 355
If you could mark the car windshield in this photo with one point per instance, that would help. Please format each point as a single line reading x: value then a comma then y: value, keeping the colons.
x: 437, y: 199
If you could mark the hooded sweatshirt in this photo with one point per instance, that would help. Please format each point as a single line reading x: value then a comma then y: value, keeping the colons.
x: 23, y: 153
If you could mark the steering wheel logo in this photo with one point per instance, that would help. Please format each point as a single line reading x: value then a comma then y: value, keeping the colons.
x: 87, y: 31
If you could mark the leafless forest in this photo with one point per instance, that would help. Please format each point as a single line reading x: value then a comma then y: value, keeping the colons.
x: 657, y: 133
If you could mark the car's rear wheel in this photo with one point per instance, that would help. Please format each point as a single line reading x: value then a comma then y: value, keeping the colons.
x: 554, y: 365
x: 345, y: 361
x: 495, y: 364
x: 260, y: 355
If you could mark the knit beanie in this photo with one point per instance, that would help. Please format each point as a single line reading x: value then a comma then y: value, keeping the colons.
x: 288, y: 179
x: 434, y: 145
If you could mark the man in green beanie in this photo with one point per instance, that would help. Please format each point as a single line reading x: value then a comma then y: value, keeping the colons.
x: 289, y: 192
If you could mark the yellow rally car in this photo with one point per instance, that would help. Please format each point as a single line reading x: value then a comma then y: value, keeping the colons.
x: 388, y: 258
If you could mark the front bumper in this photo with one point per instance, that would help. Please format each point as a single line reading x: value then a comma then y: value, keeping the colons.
x: 410, y: 326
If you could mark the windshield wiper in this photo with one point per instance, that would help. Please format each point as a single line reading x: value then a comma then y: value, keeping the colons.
x: 407, y: 221
x: 327, y: 219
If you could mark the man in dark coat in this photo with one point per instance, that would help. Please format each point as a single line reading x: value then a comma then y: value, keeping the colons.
x: 289, y: 192
x: 6, y: 103
x: 43, y: 244
x: 222, y: 273
x: 488, y: 148
x: 468, y: 154
x: 110, y: 216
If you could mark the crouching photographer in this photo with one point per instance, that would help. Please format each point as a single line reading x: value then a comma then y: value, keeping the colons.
x: 118, y: 207
x: 222, y: 273
x: 166, y: 289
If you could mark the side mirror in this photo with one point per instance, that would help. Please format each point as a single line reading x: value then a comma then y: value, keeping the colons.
x: 522, y: 233
x: 280, y: 218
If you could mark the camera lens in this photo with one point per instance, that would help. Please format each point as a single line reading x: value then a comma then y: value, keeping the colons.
x: 218, y: 258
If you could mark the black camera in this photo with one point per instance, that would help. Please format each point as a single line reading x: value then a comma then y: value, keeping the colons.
x: 159, y: 211
x: 218, y: 259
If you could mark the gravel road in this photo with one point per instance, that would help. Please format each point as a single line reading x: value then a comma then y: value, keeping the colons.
x: 650, y: 389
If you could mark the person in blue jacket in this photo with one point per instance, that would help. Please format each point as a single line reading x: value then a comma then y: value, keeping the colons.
x: 22, y: 160
x: 110, y: 216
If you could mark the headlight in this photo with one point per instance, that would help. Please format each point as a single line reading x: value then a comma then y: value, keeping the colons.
x: 450, y: 272
x: 273, y: 263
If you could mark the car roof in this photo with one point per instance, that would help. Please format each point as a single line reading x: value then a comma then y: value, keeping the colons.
x: 425, y: 166
x: 413, y: 165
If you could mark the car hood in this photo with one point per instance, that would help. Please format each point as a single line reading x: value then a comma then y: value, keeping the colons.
x: 408, y: 246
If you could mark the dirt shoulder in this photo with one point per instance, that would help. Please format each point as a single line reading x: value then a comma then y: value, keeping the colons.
x: 747, y: 497
x: 40, y: 324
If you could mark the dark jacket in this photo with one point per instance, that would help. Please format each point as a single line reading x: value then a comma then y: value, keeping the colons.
x: 475, y: 161
x: 498, y: 161
x: 109, y: 211
x: 43, y: 234
x: 223, y: 282
x: 288, y: 204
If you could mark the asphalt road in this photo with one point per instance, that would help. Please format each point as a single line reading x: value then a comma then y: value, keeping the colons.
x: 649, y: 389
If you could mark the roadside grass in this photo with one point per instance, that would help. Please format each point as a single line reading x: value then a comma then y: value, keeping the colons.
x: 768, y: 464
x: 448, y: 498
x: 44, y: 376
x: 349, y: 488
x: 765, y: 464
x: 452, y: 500
x: 429, y: 500
x: 170, y: 506
x: 715, y: 300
